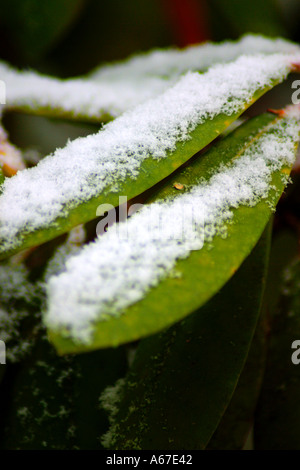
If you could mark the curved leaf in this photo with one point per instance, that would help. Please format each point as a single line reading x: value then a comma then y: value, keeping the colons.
x: 114, y: 88
x: 132, y: 153
x: 52, y: 403
x: 182, y: 380
x: 20, y: 304
x: 278, y: 414
x: 203, y: 272
x: 237, y: 420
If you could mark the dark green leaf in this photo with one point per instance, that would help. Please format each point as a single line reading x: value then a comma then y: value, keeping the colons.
x: 204, y: 271
x: 278, y: 414
x: 236, y: 422
x: 52, y: 403
x: 150, y: 172
x: 182, y: 380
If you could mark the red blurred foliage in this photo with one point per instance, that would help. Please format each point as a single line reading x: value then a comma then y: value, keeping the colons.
x: 188, y: 21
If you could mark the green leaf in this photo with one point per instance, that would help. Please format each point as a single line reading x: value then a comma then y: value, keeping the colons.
x: 232, y: 430
x: 2, y: 371
x: 47, y: 402
x: 112, y: 89
x: 182, y: 380
x: 284, y: 249
x: 204, y: 271
x: 20, y: 305
x: 52, y: 403
x: 278, y: 414
x: 236, y: 422
x: 150, y: 172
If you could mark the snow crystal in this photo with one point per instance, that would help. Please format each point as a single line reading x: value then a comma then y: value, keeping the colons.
x: 120, y: 267
x: 35, y: 197
x: 113, y: 89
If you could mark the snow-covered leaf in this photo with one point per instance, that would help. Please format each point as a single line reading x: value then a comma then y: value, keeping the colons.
x: 176, y: 253
x: 214, y: 343
x: 112, y: 89
x: 132, y: 153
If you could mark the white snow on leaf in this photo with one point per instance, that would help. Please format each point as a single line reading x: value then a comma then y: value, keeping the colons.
x: 175, y: 62
x: 35, y: 197
x: 113, y: 89
x: 120, y: 267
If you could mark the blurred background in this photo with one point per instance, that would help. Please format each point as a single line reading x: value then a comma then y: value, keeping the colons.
x: 70, y: 37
